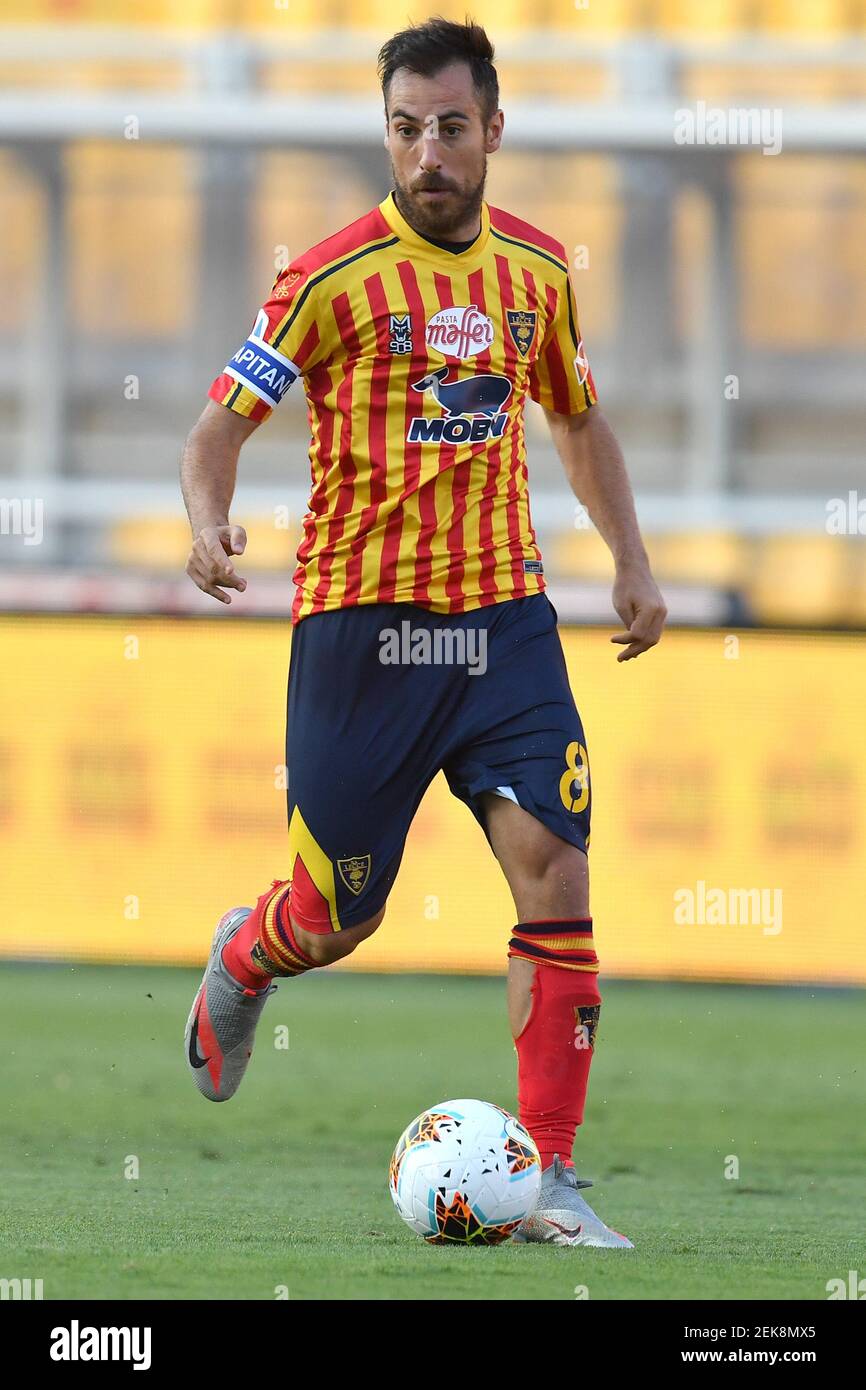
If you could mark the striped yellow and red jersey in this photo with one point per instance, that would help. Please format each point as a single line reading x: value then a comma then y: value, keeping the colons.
x: 416, y: 363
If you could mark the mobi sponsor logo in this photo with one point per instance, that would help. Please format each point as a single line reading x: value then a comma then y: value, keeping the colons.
x: 474, y: 409
x: 461, y: 331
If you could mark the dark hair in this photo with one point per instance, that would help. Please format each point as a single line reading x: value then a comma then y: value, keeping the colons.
x: 429, y: 47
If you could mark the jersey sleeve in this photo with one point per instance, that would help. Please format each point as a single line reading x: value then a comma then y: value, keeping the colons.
x: 284, y: 344
x: 560, y: 378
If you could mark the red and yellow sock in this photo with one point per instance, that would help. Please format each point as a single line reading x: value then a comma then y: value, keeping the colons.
x: 265, y: 945
x: 555, y: 1048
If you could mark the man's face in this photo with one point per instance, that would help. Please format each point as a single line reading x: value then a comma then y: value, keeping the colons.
x: 439, y: 143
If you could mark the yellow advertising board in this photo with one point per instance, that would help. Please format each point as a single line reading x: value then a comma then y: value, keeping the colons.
x: 142, y: 794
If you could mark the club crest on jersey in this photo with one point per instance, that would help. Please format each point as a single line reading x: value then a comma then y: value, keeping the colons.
x: 474, y: 409
x: 355, y: 871
x: 521, y: 326
x: 461, y: 331
x: 581, y: 364
x: 284, y: 287
x: 401, y: 333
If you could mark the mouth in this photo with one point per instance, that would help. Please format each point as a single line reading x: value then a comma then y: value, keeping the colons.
x: 434, y: 192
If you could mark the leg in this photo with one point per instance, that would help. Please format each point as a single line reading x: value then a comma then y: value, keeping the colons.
x: 553, y: 999
x: 325, y: 949
x: 548, y: 878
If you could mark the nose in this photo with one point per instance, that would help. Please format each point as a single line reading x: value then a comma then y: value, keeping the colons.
x: 430, y: 146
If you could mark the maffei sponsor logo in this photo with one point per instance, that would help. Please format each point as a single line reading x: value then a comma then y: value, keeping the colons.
x: 461, y: 331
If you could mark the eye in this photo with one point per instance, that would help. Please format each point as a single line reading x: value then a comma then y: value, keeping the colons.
x: 455, y: 130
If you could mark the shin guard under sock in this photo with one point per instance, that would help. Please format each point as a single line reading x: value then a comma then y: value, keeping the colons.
x: 555, y: 1048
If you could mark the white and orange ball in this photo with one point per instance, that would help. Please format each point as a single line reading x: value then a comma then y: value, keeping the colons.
x: 465, y: 1172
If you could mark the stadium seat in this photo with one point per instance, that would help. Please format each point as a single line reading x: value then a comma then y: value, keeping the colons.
x: 581, y: 554
x: 717, y: 558
x: 163, y: 543
x: 822, y: 225
x: 857, y: 614
x: 575, y: 198
x: 720, y: 559
x: 803, y: 579
x: 713, y: 18
x: 128, y: 205
x: 302, y: 197
x: 806, y: 18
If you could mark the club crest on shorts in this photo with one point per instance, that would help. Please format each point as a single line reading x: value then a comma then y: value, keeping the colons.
x: 355, y: 871
x: 521, y: 326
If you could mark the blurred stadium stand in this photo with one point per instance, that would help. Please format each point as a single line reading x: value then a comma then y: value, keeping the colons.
x: 142, y: 260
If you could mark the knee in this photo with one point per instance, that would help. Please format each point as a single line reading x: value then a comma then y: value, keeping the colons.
x: 554, y: 883
x: 556, y: 864
x: 326, y: 947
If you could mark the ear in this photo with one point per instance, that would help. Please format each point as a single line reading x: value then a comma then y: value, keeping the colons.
x: 494, y: 132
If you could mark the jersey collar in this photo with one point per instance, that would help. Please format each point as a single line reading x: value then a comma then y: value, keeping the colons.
x: 397, y: 222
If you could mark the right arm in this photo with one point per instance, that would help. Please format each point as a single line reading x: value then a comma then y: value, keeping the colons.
x: 286, y: 340
x: 207, y: 473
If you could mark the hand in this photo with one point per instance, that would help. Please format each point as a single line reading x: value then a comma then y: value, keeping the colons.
x: 209, y: 565
x: 639, y: 603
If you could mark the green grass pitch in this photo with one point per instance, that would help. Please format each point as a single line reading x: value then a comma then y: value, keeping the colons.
x: 286, y: 1185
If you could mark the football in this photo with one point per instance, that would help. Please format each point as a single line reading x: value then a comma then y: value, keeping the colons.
x: 465, y: 1172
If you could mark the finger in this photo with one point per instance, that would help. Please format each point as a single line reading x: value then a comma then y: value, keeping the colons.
x: 210, y: 548
x: 641, y: 625
x: 214, y: 592
x: 632, y: 651
x: 635, y: 645
x: 646, y: 628
x: 228, y: 581
x: 636, y: 648
x: 238, y: 540
x: 215, y: 564
x: 650, y: 629
x: 199, y: 573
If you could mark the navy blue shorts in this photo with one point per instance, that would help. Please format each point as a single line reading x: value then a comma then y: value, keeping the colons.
x: 381, y: 697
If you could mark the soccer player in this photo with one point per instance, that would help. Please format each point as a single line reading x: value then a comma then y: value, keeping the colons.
x: 419, y: 330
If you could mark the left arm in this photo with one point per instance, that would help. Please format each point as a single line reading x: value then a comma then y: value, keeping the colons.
x: 595, y: 469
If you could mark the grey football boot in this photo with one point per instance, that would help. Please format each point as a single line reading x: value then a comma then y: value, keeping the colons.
x: 562, y: 1217
x: 222, y: 1022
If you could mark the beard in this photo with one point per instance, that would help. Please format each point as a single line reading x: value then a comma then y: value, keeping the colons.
x: 439, y: 217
